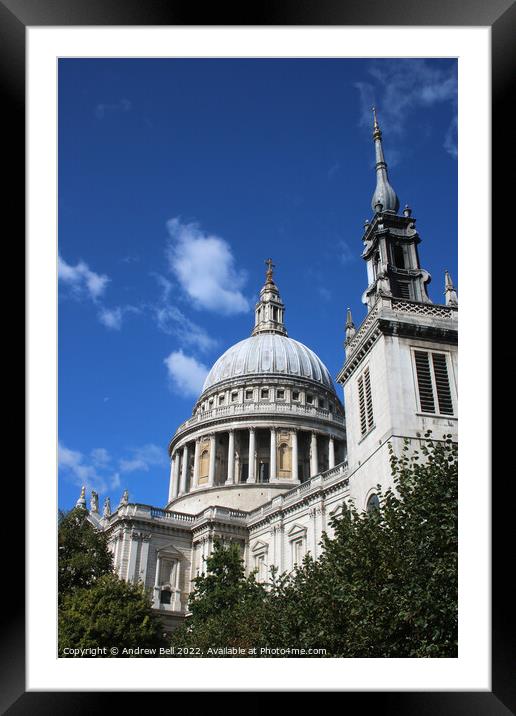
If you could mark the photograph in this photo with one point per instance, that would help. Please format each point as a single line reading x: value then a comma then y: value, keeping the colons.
x: 257, y: 357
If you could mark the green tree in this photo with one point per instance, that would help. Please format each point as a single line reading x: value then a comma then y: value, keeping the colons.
x: 96, y: 608
x: 110, y: 613
x: 83, y: 555
x: 386, y: 584
x: 225, y: 605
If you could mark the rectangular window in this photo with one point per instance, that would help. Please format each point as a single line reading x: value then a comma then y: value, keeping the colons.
x: 234, y: 396
x: 264, y: 393
x: 309, y: 399
x: 248, y: 394
x: 365, y: 402
x: 297, y: 551
x: 280, y: 394
x: 433, y: 383
x: 221, y: 399
x: 295, y: 395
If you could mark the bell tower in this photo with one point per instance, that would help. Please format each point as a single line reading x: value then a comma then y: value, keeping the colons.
x: 391, y: 241
x: 400, y: 369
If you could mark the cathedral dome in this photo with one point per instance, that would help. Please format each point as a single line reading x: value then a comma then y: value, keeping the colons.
x: 269, y: 354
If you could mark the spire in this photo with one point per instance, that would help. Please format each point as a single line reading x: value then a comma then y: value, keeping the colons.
x: 350, y: 327
x: 384, y: 197
x: 81, y: 502
x: 270, y: 309
x: 449, y: 291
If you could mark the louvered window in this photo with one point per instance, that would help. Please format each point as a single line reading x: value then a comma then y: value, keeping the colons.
x: 442, y: 384
x: 433, y: 383
x: 365, y: 402
x: 404, y: 290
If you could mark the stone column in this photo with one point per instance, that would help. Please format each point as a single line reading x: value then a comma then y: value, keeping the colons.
x: 171, y: 481
x: 176, y: 592
x: 272, y: 461
x: 156, y: 584
x: 211, y: 469
x: 133, y: 551
x: 231, y: 458
x: 313, y: 518
x: 313, y: 455
x: 294, y: 456
x: 176, y: 473
x: 117, y: 552
x: 195, y: 478
x: 251, y: 474
x: 331, y: 452
x: 182, y: 486
x: 144, y: 556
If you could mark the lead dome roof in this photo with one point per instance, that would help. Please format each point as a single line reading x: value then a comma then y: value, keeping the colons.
x: 269, y: 354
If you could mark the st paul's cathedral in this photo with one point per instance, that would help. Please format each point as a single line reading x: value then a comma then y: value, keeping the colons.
x: 270, y: 453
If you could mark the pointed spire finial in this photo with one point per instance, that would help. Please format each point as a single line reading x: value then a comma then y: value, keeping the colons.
x: 376, y: 126
x: 384, y: 193
x: 449, y: 291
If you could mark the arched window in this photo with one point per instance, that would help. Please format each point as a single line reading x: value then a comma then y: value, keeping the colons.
x: 373, y: 503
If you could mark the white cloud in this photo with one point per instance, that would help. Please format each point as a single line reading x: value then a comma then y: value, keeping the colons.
x: 172, y: 321
x: 100, y: 457
x: 86, y: 284
x: 187, y: 375
x: 205, y: 269
x: 143, y: 458
x: 111, y: 317
x: 398, y: 87
x: 450, y: 140
x: 96, y: 470
x: 81, y: 280
x: 102, y: 109
x: 75, y: 467
x: 346, y: 253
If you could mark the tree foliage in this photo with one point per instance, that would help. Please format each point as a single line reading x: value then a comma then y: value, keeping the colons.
x: 225, y: 605
x: 384, y: 586
x: 96, y: 608
x: 110, y: 613
x: 83, y: 555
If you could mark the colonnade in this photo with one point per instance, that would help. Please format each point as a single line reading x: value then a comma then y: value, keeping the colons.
x: 181, y: 460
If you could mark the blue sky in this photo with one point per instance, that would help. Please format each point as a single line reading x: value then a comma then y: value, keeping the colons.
x: 219, y: 164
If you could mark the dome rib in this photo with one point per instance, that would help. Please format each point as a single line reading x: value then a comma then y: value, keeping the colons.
x: 268, y: 354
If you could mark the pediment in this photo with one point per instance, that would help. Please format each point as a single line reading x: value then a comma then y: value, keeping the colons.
x: 260, y: 546
x: 169, y: 550
x: 297, y: 530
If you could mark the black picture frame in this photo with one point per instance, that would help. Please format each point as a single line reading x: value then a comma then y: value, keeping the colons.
x: 500, y: 15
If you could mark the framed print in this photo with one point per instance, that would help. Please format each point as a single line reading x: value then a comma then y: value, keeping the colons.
x: 185, y: 180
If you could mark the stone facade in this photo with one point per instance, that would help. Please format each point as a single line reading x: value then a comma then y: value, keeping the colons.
x: 268, y: 456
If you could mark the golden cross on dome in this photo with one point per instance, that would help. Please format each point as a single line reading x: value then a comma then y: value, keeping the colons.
x: 270, y: 266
